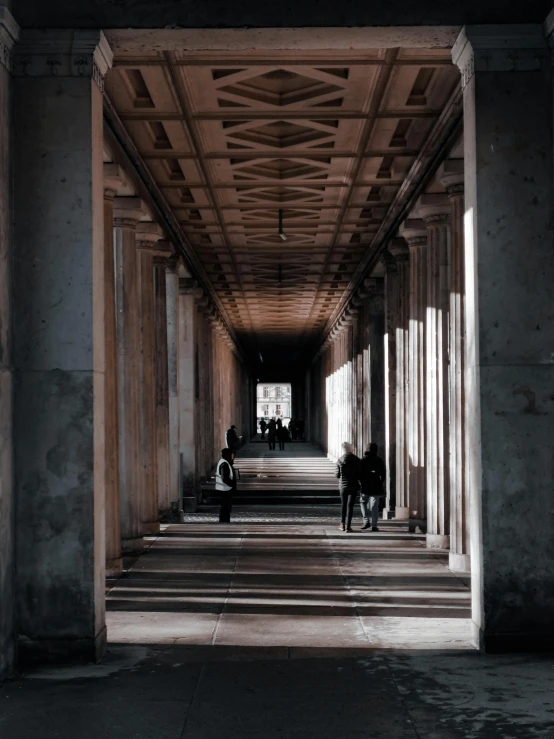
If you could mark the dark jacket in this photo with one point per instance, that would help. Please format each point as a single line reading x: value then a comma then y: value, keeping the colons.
x: 372, y: 474
x: 232, y: 439
x: 271, y: 430
x: 348, y: 473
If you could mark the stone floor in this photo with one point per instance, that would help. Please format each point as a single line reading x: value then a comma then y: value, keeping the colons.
x: 279, y: 626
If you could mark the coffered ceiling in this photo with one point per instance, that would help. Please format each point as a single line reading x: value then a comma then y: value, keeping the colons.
x: 232, y: 139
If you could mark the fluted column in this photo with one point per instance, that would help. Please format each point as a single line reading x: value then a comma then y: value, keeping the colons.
x: 162, y: 385
x: 435, y: 211
x: 127, y: 213
x: 187, y: 386
x: 148, y: 235
x: 401, y: 254
x: 391, y: 321
x: 451, y: 176
x: 113, y: 179
x: 415, y: 233
x: 172, y: 303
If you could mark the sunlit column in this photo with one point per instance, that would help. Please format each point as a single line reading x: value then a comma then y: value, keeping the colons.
x: 172, y: 303
x: 435, y: 211
x: 399, y: 250
x: 415, y: 233
x: 162, y: 384
x: 451, y: 176
x: 127, y: 213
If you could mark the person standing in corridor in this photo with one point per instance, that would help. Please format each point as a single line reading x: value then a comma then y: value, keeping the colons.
x: 348, y: 474
x: 263, y: 427
x: 226, y: 484
x: 271, y: 434
x: 372, y: 477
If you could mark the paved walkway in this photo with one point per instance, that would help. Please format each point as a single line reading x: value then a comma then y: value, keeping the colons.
x: 294, y: 583
x: 280, y: 627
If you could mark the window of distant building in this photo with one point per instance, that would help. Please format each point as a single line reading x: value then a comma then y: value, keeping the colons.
x: 266, y: 392
x: 277, y: 392
x: 266, y: 410
x: 278, y: 409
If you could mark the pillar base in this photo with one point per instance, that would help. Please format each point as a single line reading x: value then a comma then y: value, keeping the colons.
x: 132, y: 546
x: 401, y: 513
x: 39, y: 651
x: 114, y: 567
x: 459, y: 563
x: 151, y: 528
x: 437, y: 541
x: 7, y: 658
x: 417, y: 525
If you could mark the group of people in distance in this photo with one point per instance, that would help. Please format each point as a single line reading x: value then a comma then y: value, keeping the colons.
x: 365, y: 476
x: 278, y: 432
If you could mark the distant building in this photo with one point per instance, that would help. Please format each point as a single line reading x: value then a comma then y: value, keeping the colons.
x: 273, y: 400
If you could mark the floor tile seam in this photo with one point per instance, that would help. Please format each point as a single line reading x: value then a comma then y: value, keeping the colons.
x: 192, y: 700
x: 386, y: 659
x: 228, y: 593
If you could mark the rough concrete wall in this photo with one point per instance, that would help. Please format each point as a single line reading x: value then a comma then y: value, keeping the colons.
x: 221, y: 13
x: 6, y: 374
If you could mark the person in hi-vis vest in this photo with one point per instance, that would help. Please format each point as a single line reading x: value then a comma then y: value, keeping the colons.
x: 226, y: 483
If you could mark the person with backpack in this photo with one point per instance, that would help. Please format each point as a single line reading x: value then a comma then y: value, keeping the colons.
x: 372, y: 477
x: 348, y: 473
x: 226, y: 484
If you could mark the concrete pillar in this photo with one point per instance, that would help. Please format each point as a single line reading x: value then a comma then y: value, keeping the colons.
x: 59, y: 342
x: 187, y: 389
x: 401, y: 254
x: 435, y: 211
x: 127, y: 213
x: 415, y: 233
x: 451, y: 176
x: 8, y: 35
x: 148, y: 235
x: 391, y: 321
x: 509, y: 269
x: 113, y: 179
x: 162, y: 385
x: 172, y: 303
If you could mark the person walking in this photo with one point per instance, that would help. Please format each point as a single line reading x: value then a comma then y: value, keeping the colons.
x: 271, y: 434
x: 226, y: 484
x: 348, y: 474
x: 283, y: 437
x: 263, y: 427
x: 232, y: 439
x: 372, y: 478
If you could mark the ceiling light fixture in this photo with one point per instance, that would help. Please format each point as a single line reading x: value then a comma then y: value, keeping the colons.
x: 281, y: 232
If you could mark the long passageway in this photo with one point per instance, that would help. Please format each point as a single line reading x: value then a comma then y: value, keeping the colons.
x: 285, y: 578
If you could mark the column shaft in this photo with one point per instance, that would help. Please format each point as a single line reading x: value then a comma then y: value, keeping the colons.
x: 127, y: 213
x: 435, y: 210
x: 162, y: 389
x: 147, y: 437
x: 187, y: 388
x: 113, y: 514
x: 509, y: 268
x: 60, y: 345
x: 391, y: 323
x: 172, y: 303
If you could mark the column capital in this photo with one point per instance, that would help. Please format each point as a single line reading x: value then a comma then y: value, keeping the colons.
x: 63, y: 53
x: 450, y: 174
x: 399, y: 250
x: 374, y: 285
x: 414, y: 231
x: 114, y: 178
x: 499, y: 48
x: 127, y: 212
x: 9, y: 34
x: 388, y: 261
x: 434, y: 208
x: 149, y: 234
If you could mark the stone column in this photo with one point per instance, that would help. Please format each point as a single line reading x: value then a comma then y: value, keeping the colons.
x: 127, y: 213
x: 415, y: 233
x: 59, y: 342
x: 187, y: 388
x: 148, y: 235
x: 113, y: 179
x: 172, y: 303
x: 376, y: 304
x: 451, y: 176
x: 391, y: 321
x: 435, y: 211
x: 401, y: 254
x: 162, y: 385
x: 509, y: 269
x: 8, y: 35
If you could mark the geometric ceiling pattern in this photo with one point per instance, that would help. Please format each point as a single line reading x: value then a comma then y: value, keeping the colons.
x: 234, y: 139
